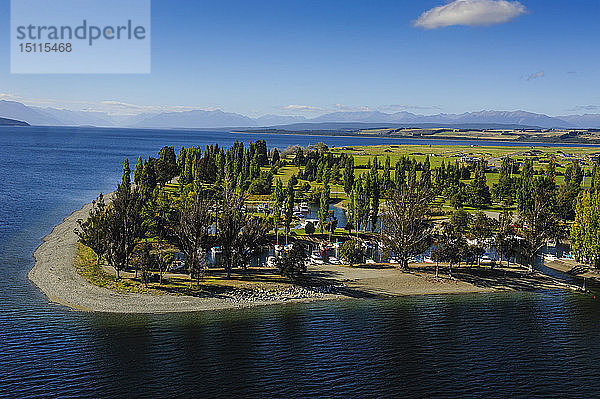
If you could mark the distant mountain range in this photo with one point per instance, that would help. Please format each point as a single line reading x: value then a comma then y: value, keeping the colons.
x: 199, y: 119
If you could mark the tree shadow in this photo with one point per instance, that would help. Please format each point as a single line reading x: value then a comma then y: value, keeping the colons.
x: 504, y: 280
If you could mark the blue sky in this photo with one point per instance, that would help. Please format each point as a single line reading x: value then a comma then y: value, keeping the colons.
x: 310, y: 57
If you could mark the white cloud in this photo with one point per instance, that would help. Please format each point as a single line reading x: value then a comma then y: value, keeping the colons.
x: 404, y: 107
x: 8, y: 97
x: 470, y: 13
x: 350, y: 108
x: 536, y: 75
x: 109, y: 107
x: 301, y: 108
x: 586, y: 108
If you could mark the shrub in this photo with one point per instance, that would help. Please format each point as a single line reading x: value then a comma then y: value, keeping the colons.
x: 309, y: 228
x: 291, y: 264
x: 352, y: 252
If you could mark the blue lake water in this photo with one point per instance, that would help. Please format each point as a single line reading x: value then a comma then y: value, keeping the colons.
x: 540, y: 344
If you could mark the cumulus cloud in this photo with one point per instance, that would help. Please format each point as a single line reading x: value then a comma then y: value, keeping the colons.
x: 536, y: 75
x: 470, y: 13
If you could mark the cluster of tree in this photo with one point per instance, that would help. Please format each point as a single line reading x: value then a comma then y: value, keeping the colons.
x: 208, y: 207
x: 321, y: 167
x: 238, y: 167
x: 152, y: 172
x: 112, y: 231
x: 408, y: 228
x: 463, y: 237
x: 199, y: 216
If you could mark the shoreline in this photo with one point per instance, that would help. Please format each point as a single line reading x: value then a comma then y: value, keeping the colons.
x: 54, y: 273
x: 499, y: 142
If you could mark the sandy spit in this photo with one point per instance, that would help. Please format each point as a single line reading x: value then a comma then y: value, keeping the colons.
x: 55, y: 275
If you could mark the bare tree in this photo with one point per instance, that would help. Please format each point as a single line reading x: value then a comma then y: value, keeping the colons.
x: 192, y: 231
x: 163, y: 261
x: 406, y: 224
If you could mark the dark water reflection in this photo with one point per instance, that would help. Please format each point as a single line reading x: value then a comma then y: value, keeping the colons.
x: 543, y: 344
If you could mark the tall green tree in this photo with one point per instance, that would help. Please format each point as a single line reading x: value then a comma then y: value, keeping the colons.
x: 324, y: 206
x: 93, y: 231
x: 585, y: 232
x: 126, y: 177
x: 526, y: 191
x: 361, y: 204
x: 540, y: 222
x: 426, y: 182
x: 137, y: 173
x: 479, y: 193
x: 289, y: 207
x: 123, y: 223
x: 504, y: 190
x: 166, y: 166
x: 348, y: 175
x: 386, y: 181
x: 375, y: 197
x: 399, y: 174
x: 278, y: 198
x: 231, y: 222
x: 573, y: 175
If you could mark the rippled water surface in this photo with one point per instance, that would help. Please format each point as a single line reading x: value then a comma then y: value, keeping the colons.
x: 544, y: 344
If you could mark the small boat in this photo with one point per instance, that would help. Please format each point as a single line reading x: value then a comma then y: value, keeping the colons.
x: 333, y: 260
x: 428, y: 259
x: 370, y: 261
x: 394, y: 261
x: 412, y: 259
x: 550, y: 257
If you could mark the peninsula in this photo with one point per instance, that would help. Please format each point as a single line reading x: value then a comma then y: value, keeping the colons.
x: 201, y: 235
